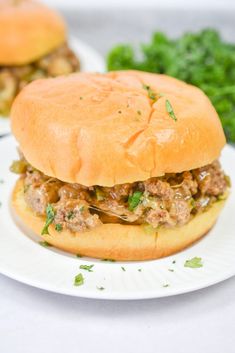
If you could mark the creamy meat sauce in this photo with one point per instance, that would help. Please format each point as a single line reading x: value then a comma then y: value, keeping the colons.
x: 62, y: 61
x: 168, y: 201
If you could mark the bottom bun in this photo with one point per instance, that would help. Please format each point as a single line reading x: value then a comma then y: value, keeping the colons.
x: 118, y: 241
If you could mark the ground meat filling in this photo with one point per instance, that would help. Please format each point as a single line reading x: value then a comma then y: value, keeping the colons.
x: 168, y: 201
x: 62, y: 61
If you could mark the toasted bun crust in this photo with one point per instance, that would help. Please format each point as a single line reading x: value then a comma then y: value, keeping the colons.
x: 28, y: 31
x: 117, y: 241
x: 103, y: 129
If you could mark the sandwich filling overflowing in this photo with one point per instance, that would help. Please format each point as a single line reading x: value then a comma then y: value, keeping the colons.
x: 168, y: 201
x: 61, y: 61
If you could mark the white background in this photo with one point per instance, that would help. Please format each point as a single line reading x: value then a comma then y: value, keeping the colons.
x: 36, y: 321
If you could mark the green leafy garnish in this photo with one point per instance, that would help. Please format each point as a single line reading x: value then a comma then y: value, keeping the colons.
x: 50, y: 212
x: 134, y: 200
x: 195, y: 262
x: 203, y: 59
x: 152, y: 95
x: 58, y: 227
x: 70, y: 215
x: 139, y: 269
x: 174, y: 261
x: 166, y: 285
x: 79, y: 280
x: 45, y: 244
x: 123, y: 269
x: 170, y: 270
x: 87, y: 267
x: 100, y: 288
x: 170, y: 110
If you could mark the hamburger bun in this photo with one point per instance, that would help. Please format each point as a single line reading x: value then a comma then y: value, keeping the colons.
x: 118, y: 241
x: 104, y: 129
x: 28, y: 31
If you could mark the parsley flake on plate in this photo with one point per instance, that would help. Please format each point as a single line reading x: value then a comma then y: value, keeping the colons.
x: 100, y: 288
x: 195, y: 262
x: 87, y: 267
x: 78, y: 280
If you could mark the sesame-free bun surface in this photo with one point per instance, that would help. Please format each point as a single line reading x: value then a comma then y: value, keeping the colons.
x: 103, y: 129
x: 118, y: 241
x: 28, y: 31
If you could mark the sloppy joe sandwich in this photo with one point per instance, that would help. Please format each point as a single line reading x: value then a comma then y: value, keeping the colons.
x: 120, y: 166
x: 33, y: 44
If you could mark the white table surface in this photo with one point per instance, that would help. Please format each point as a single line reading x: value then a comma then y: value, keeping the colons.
x: 36, y: 321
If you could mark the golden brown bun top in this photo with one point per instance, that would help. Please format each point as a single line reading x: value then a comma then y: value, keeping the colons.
x: 103, y: 129
x: 28, y: 31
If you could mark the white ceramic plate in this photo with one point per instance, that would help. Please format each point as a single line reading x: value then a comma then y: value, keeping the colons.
x: 90, y: 60
x: 22, y: 258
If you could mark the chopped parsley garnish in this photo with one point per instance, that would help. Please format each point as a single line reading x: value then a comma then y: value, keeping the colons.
x: 58, y: 227
x: 152, y: 95
x: 170, y: 270
x: 45, y: 244
x: 139, y: 269
x: 50, y: 212
x: 70, y: 215
x: 123, y: 269
x: 170, y: 110
x: 100, y: 288
x: 79, y: 280
x: 134, y: 200
x: 174, y: 261
x: 166, y: 285
x: 87, y: 267
x: 78, y: 255
x: 195, y: 262
x: 139, y: 112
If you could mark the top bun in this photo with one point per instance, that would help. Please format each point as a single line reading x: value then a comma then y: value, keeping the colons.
x: 28, y: 31
x: 104, y: 129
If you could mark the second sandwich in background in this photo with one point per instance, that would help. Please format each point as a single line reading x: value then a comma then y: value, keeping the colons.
x: 33, y: 42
